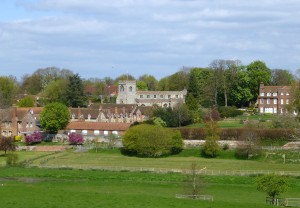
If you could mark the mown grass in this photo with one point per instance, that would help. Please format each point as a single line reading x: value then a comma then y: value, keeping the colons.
x: 38, y: 188
x: 114, y: 159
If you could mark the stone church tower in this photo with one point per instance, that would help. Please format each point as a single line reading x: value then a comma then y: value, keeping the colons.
x: 127, y: 92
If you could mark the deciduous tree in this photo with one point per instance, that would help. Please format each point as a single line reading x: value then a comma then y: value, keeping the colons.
x: 7, y: 144
x: 55, y: 116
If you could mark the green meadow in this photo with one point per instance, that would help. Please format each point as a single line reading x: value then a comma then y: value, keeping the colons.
x: 77, y: 179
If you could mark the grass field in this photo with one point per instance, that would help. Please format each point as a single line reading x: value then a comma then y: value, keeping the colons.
x: 38, y: 188
x: 113, y: 159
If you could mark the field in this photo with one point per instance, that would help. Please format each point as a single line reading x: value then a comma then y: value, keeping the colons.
x: 75, y: 179
x: 40, y: 188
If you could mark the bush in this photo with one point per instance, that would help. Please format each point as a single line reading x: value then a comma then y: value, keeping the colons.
x: 18, y: 138
x: 75, y: 139
x: 230, y: 111
x: 151, y: 141
x: 34, y: 138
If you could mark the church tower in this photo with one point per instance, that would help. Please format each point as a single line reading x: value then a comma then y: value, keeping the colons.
x: 126, y: 92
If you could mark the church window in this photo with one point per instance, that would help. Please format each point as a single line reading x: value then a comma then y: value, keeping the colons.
x: 130, y: 89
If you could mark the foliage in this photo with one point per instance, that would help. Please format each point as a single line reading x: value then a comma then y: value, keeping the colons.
x: 258, y: 72
x: 26, y: 102
x: 7, y: 144
x: 272, y: 184
x: 8, y: 89
x: 194, y: 182
x: 152, y: 141
x: 55, y: 116
x: 150, y: 81
x: 141, y: 85
x: 159, y: 122
x: 229, y: 111
x: 34, y: 138
x: 18, y: 138
x: 175, y: 82
x: 281, y: 77
x: 285, y: 121
x: 166, y: 114
x: 75, y: 96
x: 212, y: 135
x: 55, y: 91
x: 75, y: 139
x: 249, y: 145
x: 12, y: 159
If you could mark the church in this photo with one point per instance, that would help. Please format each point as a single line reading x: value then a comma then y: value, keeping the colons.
x: 128, y: 94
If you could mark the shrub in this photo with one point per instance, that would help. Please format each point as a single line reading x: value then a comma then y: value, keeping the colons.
x: 18, y: 138
x: 230, y: 111
x: 34, y: 138
x: 75, y: 139
x: 7, y: 144
x: 212, y: 135
x: 151, y: 141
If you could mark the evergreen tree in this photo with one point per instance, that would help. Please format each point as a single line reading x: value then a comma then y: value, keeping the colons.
x: 75, y: 96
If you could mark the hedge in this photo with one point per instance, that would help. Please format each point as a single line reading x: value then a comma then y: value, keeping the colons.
x: 237, y: 133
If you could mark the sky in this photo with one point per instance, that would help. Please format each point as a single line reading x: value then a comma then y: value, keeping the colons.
x: 100, y: 38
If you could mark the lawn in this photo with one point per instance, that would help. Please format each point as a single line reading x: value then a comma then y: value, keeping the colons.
x: 114, y: 160
x: 38, y: 188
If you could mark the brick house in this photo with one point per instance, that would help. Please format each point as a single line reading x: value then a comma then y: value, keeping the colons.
x: 274, y: 99
x: 104, y: 118
x: 95, y: 129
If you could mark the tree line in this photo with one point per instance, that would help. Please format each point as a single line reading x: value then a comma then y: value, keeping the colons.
x: 222, y: 83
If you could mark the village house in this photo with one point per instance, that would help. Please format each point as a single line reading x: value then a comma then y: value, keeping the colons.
x: 274, y: 99
x: 97, y: 119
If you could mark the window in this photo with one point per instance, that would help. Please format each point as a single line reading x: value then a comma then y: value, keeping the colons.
x: 281, y: 93
x: 115, y: 132
x: 262, y: 94
x: 274, y: 93
x: 268, y: 101
x: 73, y: 131
x: 275, y: 110
x: 268, y: 94
x: 121, y: 88
x: 176, y: 96
x: 287, y: 101
x: 261, y: 101
x: 275, y: 101
x: 84, y: 132
x: 141, y: 96
x: 154, y: 96
x: 130, y: 89
x: 287, y: 93
x: 96, y: 132
x: 281, y: 101
x: 281, y: 110
x: 105, y: 133
x: 148, y: 96
x: 161, y: 96
x: 261, y: 110
x: 169, y: 96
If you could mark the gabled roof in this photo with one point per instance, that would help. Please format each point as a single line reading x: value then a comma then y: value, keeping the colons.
x: 97, y: 126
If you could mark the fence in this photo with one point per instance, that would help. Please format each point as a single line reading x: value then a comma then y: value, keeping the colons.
x: 288, y: 202
x: 164, y: 170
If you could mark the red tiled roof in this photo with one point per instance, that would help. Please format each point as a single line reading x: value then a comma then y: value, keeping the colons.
x: 77, y: 125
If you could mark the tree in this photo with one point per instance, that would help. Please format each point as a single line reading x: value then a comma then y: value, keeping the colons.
x: 258, y: 72
x: 150, y: 81
x: 212, y: 136
x: 55, y: 116
x: 7, y: 144
x: 281, y: 77
x: 194, y: 183
x: 8, y: 89
x: 75, y: 96
x: 249, y: 146
x: 27, y: 102
x: 272, y: 184
x: 141, y: 85
x: 151, y: 141
x: 55, y: 91
x: 34, y: 138
x: 167, y: 115
x: 182, y: 114
x: 75, y: 139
